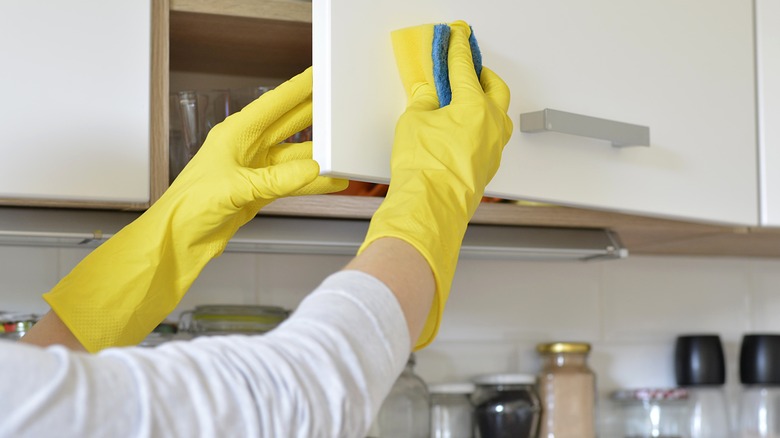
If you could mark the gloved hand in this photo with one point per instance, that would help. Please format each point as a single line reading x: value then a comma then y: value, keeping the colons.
x: 442, y: 159
x: 124, y: 288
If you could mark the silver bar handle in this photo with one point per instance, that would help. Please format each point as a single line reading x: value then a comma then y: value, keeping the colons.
x: 618, y: 133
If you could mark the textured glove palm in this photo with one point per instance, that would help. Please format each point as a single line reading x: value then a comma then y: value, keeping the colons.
x: 442, y: 159
x: 128, y: 285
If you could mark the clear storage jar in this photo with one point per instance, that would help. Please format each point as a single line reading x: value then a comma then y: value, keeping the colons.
x: 406, y: 411
x: 15, y: 325
x: 451, y: 410
x: 652, y: 412
x: 213, y: 319
x: 506, y: 406
x: 759, y: 373
x: 164, y: 332
x: 567, y: 389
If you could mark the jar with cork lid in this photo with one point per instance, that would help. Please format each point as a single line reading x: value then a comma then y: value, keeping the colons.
x: 567, y: 388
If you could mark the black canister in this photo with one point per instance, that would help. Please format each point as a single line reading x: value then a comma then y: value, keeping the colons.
x: 699, y: 360
x: 759, y: 372
x: 506, y: 405
x: 700, y: 368
x: 759, y: 359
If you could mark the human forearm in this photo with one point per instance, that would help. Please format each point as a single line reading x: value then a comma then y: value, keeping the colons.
x: 442, y: 160
x: 406, y: 272
x: 50, y: 330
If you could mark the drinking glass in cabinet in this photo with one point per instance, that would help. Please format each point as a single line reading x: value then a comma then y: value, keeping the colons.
x: 197, y: 112
x: 194, y: 113
x: 242, y: 97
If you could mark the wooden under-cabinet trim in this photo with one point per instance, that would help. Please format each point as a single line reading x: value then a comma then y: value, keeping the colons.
x: 80, y: 204
x: 641, y: 235
x: 754, y: 243
x: 159, y: 104
x: 362, y: 207
x: 326, y: 206
x: 285, y: 10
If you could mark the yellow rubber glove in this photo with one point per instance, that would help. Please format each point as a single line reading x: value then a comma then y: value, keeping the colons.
x: 129, y: 284
x: 442, y: 159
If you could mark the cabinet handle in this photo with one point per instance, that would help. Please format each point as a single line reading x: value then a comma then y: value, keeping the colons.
x: 619, y: 133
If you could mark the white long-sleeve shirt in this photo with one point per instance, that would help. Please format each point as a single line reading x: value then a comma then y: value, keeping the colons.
x: 323, y: 373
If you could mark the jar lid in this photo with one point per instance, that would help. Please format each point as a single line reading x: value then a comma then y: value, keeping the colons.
x: 563, y: 347
x: 649, y: 394
x: 452, y: 388
x: 505, y: 379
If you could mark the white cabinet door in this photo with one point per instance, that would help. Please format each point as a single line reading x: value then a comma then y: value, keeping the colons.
x: 768, y: 63
x: 684, y: 69
x: 74, y: 118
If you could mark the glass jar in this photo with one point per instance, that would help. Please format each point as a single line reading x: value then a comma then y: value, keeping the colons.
x: 758, y: 412
x: 652, y: 413
x: 506, y: 406
x: 759, y: 373
x: 406, y: 411
x: 164, y: 332
x: 214, y: 319
x: 15, y: 325
x: 451, y: 410
x: 700, y: 367
x: 567, y: 389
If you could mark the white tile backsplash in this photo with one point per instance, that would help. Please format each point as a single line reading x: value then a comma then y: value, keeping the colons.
x: 633, y: 364
x: 69, y: 258
x: 653, y: 298
x: 523, y: 301
x: 459, y: 361
x: 631, y: 310
x: 227, y: 279
x: 285, y: 279
x: 25, y: 274
x: 764, y: 297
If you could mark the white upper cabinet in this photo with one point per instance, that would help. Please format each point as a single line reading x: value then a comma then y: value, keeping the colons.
x: 683, y: 69
x: 74, y: 118
x: 768, y: 63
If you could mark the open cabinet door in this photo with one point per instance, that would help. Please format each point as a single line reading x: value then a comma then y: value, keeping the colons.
x: 683, y: 71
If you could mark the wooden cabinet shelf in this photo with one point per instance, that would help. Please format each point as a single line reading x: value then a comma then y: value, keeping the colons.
x: 250, y: 38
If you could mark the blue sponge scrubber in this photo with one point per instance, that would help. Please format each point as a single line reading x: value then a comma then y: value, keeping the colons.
x: 441, y: 43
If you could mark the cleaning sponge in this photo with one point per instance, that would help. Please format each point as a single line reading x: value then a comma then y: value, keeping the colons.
x: 421, y: 55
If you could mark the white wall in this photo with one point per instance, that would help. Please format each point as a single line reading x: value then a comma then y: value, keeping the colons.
x: 631, y: 310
